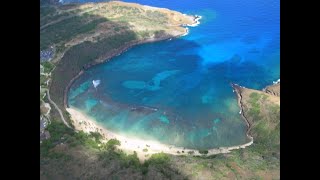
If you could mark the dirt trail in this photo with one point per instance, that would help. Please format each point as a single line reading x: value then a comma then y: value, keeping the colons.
x: 57, y: 108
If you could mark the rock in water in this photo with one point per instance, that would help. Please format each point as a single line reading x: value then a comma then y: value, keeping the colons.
x: 95, y: 83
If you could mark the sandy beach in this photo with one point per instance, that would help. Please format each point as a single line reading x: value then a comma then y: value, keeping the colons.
x: 82, y: 122
x: 128, y: 144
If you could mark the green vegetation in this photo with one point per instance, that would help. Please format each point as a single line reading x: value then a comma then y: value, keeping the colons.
x: 266, y: 131
x: 65, y: 30
x: 254, y: 97
x: 97, y: 136
x: 274, y: 110
x: 266, y: 126
x: 43, y: 80
x: 78, y: 155
x: 255, y: 106
x: 52, y: 17
x: 112, y: 143
x: 107, y: 155
x: 48, y: 66
x: 157, y: 15
x: 122, y: 24
x: 80, y: 55
x: 58, y: 133
x: 203, y: 151
x: 126, y: 161
x: 60, y: 48
x: 190, y: 152
x: 159, y: 33
x: 263, y: 155
x: 159, y: 159
x: 44, y: 11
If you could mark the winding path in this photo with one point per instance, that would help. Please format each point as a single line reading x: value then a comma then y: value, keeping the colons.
x: 58, y: 109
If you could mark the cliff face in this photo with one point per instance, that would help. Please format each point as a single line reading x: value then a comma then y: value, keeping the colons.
x: 262, y: 110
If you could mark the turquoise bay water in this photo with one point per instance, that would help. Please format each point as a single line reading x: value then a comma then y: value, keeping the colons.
x: 178, y: 91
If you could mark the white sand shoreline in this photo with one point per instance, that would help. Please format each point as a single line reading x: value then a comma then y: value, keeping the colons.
x: 129, y: 145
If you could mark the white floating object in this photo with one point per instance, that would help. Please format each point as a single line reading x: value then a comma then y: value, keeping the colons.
x: 95, y: 83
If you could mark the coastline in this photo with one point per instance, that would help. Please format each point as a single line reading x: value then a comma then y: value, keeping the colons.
x: 273, y: 89
x: 109, y: 55
x: 129, y: 145
x: 82, y: 122
x: 196, y: 20
x: 237, y: 90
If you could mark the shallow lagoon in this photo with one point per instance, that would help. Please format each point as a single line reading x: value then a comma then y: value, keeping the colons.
x: 177, y: 91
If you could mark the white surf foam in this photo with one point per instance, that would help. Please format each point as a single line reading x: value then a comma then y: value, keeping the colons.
x: 276, y: 82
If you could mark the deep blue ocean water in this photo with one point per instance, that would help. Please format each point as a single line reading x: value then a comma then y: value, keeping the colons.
x: 178, y: 91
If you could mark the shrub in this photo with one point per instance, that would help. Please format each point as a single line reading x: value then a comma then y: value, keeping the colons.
x: 112, y: 143
x: 190, y: 152
x: 202, y: 151
x: 48, y: 66
x: 97, y: 136
x: 57, y: 129
x: 130, y: 160
x: 157, y: 159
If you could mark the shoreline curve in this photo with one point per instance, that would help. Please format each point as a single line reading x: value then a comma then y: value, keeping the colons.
x: 130, y: 144
x: 83, y: 122
x: 109, y: 55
